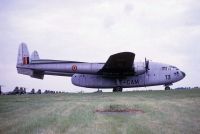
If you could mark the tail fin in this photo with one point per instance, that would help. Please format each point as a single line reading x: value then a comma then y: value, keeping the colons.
x: 23, y: 59
x: 35, y: 56
x: 23, y: 55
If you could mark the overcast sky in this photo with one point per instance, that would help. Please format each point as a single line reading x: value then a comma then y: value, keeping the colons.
x: 166, y: 31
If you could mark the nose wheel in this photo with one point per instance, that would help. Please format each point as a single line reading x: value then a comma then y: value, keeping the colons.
x: 117, y: 89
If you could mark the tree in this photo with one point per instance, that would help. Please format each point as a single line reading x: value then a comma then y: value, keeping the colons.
x: 0, y: 90
x: 33, y: 91
x: 16, y: 90
x: 46, y: 91
x: 24, y: 90
x: 39, y: 91
x: 21, y: 90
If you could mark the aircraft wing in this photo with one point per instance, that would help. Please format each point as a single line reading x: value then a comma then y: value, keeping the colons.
x: 119, y: 65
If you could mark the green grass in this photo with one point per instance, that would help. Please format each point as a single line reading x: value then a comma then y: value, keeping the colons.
x: 164, y: 112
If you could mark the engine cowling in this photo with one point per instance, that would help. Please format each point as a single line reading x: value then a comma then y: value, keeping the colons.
x: 139, y: 69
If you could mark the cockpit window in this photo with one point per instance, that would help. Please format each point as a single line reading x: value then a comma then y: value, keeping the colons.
x: 176, y: 73
x: 169, y: 68
x: 174, y: 67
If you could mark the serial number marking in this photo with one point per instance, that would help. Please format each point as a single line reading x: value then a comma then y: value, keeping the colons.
x: 131, y: 82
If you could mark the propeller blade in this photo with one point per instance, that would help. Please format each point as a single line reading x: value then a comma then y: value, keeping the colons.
x: 146, y: 64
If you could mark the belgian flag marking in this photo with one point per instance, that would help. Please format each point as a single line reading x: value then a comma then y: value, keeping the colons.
x: 25, y: 60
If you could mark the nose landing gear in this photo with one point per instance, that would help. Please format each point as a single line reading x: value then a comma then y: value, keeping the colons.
x: 167, y: 86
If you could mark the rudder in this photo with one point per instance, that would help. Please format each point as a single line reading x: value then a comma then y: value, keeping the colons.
x: 23, y: 55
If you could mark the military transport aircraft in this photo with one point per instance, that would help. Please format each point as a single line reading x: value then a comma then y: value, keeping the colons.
x: 120, y: 71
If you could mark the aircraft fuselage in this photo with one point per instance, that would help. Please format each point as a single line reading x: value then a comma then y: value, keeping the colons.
x: 120, y: 71
x: 85, y: 74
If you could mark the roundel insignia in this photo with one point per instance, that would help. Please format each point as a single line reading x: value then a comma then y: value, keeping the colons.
x: 74, y: 68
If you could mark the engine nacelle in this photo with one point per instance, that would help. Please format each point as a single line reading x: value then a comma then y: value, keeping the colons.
x: 139, y: 69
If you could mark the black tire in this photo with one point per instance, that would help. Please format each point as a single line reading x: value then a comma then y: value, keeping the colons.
x: 167, y: 88
x: 117, y: 89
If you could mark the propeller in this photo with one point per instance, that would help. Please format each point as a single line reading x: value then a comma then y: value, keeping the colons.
x: 146, y: 64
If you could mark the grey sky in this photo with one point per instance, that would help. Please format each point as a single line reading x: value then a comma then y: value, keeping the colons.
x: 163, y: 31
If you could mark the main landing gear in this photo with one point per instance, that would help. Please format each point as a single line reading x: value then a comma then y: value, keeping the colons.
x: 167, y: 88
x: 117, y: 89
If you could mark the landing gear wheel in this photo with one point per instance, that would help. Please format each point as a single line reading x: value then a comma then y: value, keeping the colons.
x: 117, y: 89
x: 167, y: 88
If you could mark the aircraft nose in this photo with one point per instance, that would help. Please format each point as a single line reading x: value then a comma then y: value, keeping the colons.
x: 183, y: 74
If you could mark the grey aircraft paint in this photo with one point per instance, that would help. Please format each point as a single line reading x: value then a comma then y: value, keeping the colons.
x: 120, y: 71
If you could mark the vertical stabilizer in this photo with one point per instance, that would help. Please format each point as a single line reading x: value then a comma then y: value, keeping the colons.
x: 35, y: 56
x: 23, y: 54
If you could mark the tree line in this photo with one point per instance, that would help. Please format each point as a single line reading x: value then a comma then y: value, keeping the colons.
x: 21, y: 90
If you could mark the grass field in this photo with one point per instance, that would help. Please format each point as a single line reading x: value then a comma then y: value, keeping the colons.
x: 163, y: 112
